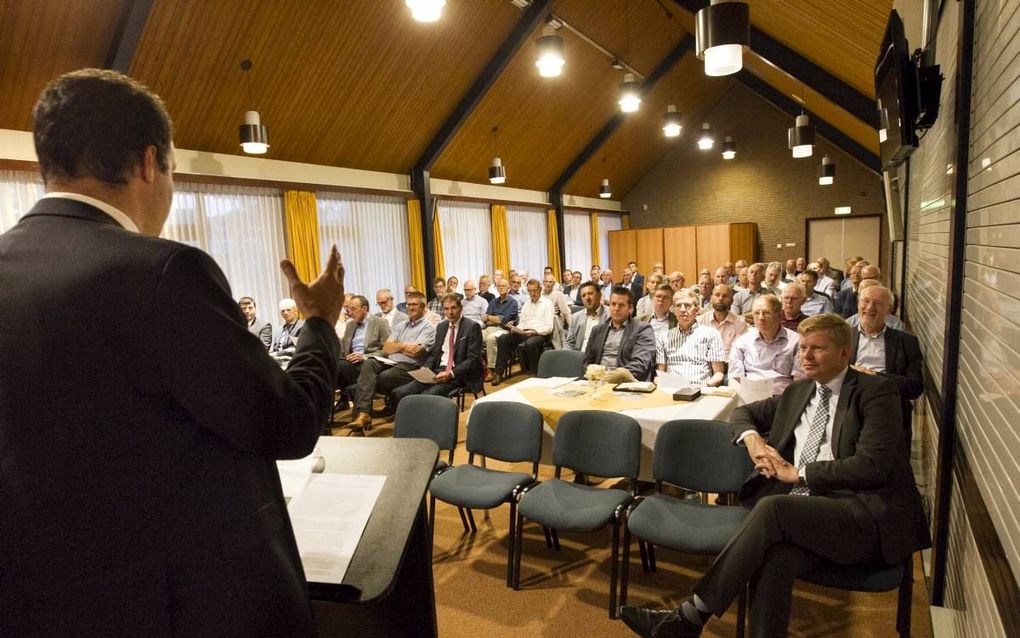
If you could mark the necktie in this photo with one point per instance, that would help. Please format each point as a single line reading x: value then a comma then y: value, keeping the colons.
x: 449, y: 348
x: 815, y: 433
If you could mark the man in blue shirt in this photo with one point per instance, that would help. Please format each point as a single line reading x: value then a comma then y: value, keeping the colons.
x: 502, y: 310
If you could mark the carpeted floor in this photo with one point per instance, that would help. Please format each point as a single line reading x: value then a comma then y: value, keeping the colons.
x: 566, y: 593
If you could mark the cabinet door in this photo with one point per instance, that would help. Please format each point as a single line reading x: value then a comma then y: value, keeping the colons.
x: 680, y: 251
x: 622, y: 248
x: 649, y: 248
x: 713, y: 246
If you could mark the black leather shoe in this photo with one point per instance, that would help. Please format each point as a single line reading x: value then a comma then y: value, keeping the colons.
x: 659, y: 623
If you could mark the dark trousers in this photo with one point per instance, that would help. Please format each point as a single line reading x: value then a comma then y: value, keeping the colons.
x: 347, y: 373
x: 782, y: 537
x: 530, y: 351
x: 376, y: 376
x: 417, y: 387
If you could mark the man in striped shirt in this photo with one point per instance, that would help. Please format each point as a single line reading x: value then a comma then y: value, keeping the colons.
x: 691, y: 350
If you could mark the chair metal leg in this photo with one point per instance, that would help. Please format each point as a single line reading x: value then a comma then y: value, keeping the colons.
x: 511, y: 539
x: 517, y: 553
x: 741, y: 612
x: 613, y: 566
x: 644, y: 556
x: 463, y: 520
x: 556, y: 539
x: 471, y: 519
x: 904, y: 599
x: 625, y: 566
x: 651, y: 556
x: 548, y: 537
x: 432, y: 515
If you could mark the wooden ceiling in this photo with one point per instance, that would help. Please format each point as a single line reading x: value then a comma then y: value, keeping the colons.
x: 359, y: 84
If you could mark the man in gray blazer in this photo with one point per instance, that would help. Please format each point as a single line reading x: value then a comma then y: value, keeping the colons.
x: 363, y: 337
x: 623, y: 341
x: 832, y: 482
x: 584, y: 321
x: 261, y: 329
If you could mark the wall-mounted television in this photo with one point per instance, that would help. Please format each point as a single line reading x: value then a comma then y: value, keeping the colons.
x: 896, y: 89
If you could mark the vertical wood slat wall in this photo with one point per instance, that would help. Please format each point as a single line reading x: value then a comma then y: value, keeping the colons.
x: 683, y: 248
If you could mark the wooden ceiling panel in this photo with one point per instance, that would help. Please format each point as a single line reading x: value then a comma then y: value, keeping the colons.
x: 357, y: 84
x: 41, y: 39
x: 843, y: 38
x: 545, y: 122
x: 817, y: 104
x: 638, y: 144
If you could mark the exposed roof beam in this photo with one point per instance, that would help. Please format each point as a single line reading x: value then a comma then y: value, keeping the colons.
x: 129, y: 34
x: 848, y: 145
x: 528, y: 22
x: 686, y: 45
x: 800, y: 68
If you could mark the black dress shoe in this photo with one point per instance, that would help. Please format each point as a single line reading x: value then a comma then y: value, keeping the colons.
x: 659, y: 623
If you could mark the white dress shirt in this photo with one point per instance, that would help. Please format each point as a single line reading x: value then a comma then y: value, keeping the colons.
x: 118, y: 215
x: 800, y: 432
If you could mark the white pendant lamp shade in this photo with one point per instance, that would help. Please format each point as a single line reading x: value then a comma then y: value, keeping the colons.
x: 707, y: 140
x: 550, y: 55
x: 671, y: 122
x: 826, y: 172
x: 729, y: 148
x: 254, y: 137
x: 497, y: 172
x: 630, y: 94
x: 604, y: 191
x: 722, y: 32
x: 426, y: 10
x: 801, y: 137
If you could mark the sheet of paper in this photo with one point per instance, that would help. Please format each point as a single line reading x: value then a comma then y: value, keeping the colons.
x: 751, y: 390
x: 329, y: 517
x: 294, y: 474
x: 672, y: 381
x: 389, y: 362
x: 551, y: 382
x: 423, y: 375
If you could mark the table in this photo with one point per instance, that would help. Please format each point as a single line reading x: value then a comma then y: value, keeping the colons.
x: 388, y: 588
x: 650, y: 419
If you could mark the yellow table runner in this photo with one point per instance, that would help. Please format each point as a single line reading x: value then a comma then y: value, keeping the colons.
x: 553, y: 407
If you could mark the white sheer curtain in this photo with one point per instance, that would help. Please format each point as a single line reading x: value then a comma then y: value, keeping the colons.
x: 577, y: 242
x: 608, y: 222
x: 371, y: 233
x: 466, y: 228
x: 242, y: 228
x: 19, y: 190
x: 529, y: 245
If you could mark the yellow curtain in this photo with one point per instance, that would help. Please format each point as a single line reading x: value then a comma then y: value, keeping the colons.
x: 417, y: 243
x: 500, y: 239
x: 302, y: 222
x: 554, y: 244
x: 438, y: 241
x: 625, y: 221
x: 595, y: 240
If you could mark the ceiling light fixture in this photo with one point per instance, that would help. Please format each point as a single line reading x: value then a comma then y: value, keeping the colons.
x: 426, y: 10
x: 630, y: 94
x: 729, y: 148
x: 550, y: 53
x: 707, y: 139
x: 801, y: 137
x: 671, y: 122
x: 254, y: 137
x: 722, y: 32
x: 604, y: 191
x: 497, y: 172
x: 826, y: 172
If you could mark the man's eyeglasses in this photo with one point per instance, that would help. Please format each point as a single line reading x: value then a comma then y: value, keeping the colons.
x: 684, y: 305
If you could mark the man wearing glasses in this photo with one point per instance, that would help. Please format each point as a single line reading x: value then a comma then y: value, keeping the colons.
x: 768, y: 350
x: 691, y: 350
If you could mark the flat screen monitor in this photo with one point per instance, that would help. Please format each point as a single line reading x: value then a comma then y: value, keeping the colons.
x: 897, y: 93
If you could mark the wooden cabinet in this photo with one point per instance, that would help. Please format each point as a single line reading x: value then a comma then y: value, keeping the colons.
x: 684, y: 248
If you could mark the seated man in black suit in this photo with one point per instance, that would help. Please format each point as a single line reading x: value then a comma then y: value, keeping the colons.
x: 455, y: 355
x: 164, y: 515
x: 622, y: 341
x: 879, y: 349
x: 832, y: 483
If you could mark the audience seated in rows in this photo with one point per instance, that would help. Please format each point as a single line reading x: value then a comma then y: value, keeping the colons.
x: 502, y: 312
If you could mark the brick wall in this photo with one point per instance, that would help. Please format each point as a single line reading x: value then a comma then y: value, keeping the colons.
x: 763, y: 183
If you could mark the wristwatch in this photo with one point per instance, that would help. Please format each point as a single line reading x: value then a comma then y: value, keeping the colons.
x: 801, y: 482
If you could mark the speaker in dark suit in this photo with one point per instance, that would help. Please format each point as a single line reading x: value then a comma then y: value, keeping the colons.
x: 139, y: 490
x: 465, y: 368
x: 832, y: 482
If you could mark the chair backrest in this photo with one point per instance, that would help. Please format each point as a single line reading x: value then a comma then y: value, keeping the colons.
x: 560, y: 363
x: 424, y: 416
x: 598, y: 442
x: 699, y: 455
x: 506, y: 431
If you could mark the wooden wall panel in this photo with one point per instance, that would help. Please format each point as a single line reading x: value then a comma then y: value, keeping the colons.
x: 743, y: 242
x: 648, y: 248
x: 680, y: 249
x: 713, y: 246
x: 622, y: 248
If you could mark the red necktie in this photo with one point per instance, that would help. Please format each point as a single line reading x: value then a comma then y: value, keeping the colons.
x: 449, y: 348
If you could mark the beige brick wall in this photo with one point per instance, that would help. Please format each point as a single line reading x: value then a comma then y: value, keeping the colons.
x: 763, y: 184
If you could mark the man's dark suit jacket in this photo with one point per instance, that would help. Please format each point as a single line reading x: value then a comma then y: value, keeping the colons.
x: 467, y: 354
x: 638, y: 280
x: 637, y: 348
x: 263, y: 330
x: 902, y: 365
x: 138, y: 488
x: 870, y: 459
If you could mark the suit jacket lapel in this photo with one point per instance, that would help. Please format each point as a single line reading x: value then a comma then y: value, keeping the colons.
x: 800, y: 399
x: 891, y: 344
x: 845, y: 395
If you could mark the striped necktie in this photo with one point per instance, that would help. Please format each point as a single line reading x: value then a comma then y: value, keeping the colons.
x: 815, y: 434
